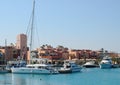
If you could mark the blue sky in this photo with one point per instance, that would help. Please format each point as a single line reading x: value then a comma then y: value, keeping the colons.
x: 79, y: 24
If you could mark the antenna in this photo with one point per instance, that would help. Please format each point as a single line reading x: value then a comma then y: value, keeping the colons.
x: 5, y: 42
x: 5, y: 50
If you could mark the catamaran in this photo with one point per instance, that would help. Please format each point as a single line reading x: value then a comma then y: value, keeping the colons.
x: 41, y: 66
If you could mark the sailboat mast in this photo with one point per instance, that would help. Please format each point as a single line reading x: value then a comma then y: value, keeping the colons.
x: 32, y: 28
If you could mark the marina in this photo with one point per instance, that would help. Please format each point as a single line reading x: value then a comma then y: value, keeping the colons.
x: 91, y: 58
x: 88, y: 76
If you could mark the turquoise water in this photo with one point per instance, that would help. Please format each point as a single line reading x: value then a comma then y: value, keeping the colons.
x: 92, y: 76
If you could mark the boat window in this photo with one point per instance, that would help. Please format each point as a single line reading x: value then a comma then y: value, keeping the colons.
x: 31, y: 67
x: 73, y: 66
x: 47, y: 68
x: 67, y: 66
x: 39, y: 67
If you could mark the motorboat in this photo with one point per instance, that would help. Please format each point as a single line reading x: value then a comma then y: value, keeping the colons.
x: 115, y: 66
x: 90, y: 64
x: 3, y: 69
x: 40, y: 67
x: 106, y: 62
x: 69, y: 67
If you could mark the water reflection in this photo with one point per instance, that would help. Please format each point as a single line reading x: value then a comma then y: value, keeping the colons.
x: 30, y: 79
x: 36, y: 79
x: 97, y: 75
x: 18, y: 80
x: 5, y: 79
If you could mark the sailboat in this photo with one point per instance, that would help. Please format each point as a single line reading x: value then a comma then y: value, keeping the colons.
x: 41, y: 66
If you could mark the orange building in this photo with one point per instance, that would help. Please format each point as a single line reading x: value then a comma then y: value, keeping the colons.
x: 8, y: 52
x: 21, y: 45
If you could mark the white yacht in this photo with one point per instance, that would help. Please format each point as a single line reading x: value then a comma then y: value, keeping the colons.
x: 90, y: 64
x: 40, y: 67
x: 69, y: 67
x: 106, y: 62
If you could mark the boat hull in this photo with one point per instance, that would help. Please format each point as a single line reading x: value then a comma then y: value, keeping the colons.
x: 32, y: 71
x: 4, y: 71
x: 105, y: 66
x: 90, y: 66
x: 72, y: 70
x: 65, y: 71
x: 115, y: 66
